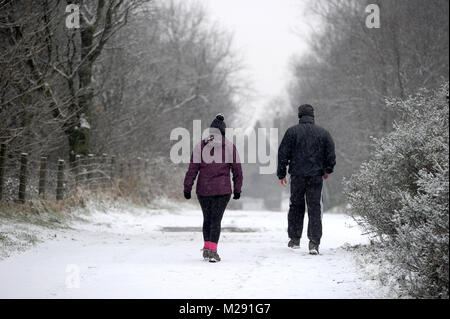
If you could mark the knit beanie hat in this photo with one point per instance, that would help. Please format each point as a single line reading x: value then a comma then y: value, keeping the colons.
x: 305, y: 109
x: 219, y: 123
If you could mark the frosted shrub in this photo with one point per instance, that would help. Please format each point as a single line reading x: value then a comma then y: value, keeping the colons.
x: 401, y: 194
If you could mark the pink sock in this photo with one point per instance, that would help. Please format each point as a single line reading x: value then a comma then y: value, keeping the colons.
x: 206, y: 246
x: 212, y: 246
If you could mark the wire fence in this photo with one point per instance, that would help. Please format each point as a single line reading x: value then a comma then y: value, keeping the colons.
x: 27, y: 177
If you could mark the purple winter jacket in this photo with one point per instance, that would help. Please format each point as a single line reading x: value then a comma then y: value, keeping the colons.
x: 212, y: 160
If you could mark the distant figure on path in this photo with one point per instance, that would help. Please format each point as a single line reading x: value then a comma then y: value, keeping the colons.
x: 308, y: 150
x: 213, y: 159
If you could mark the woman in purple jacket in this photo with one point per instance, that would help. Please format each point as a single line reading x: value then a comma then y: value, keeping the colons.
x: 212, y: 160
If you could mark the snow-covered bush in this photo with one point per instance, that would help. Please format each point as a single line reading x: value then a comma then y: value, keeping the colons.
x: 402, y: 193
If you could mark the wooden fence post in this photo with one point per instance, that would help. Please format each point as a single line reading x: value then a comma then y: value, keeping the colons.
x: 130, y: 170
x: 112, y: 167
x: 103, y: 170
x: 60, y: 180
x: 90, y: 161
x: 84, y: 168
x: 42, y: 177
x: 77, y: 170
x: 121, y: 170
x: 2, y: 168
x: 138, y: 167
x: 23, y: 177
x: 146, y: 163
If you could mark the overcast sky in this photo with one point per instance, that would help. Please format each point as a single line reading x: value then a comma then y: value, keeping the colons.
x: 263, y: 35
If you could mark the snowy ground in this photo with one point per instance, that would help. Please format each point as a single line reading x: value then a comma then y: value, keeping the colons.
x: 125, y: 254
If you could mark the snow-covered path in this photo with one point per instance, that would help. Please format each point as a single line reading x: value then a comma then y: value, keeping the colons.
x: 127, y: 255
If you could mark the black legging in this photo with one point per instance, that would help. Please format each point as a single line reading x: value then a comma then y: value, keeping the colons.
x: 213, y: 208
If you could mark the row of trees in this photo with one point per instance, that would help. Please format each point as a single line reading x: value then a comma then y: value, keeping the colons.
x: 351, y: 69
x: 46, y: 70
x: 118, y: 84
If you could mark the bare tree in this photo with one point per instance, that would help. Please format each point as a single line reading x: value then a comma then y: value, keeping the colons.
x: 170, y: 65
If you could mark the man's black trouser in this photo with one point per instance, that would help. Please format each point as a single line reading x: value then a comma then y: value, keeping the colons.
x: 311, y: 189
x: 213, y: 208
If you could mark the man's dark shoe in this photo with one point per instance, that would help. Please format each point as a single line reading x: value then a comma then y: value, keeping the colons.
x: 294, y: 243
x: 213, y: 256
x: 313, y: 248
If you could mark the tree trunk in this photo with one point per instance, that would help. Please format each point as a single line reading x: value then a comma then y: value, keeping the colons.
x: 78, y: 131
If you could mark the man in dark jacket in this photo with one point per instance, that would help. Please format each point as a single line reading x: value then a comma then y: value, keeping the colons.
x: 308, y: 150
